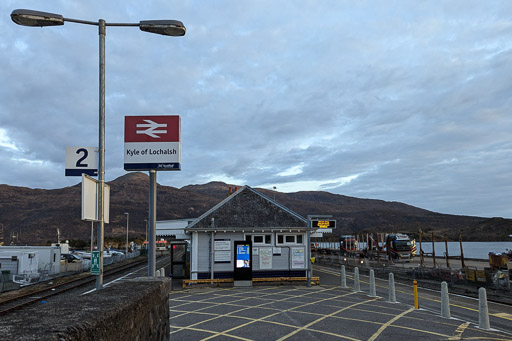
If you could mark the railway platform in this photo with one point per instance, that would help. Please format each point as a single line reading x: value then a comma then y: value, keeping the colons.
x: 324, y: 312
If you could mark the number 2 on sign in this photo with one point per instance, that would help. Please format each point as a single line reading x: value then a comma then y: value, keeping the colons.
x: 79, y: 162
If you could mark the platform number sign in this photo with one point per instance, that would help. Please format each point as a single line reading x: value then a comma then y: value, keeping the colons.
x: 81, y: 160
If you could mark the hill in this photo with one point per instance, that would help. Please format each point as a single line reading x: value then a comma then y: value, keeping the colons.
x: 36, y: 214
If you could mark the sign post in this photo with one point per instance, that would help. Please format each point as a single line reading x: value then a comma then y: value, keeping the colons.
x: 315, y: 221
x: 152, y: 143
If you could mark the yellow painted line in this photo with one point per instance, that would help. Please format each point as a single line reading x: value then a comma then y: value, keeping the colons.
x: 262, y: 319
x: 504, y: 316
x: 387, y: 324
x: 500, y: 315
x: 332, y: 334
x: 210, y: 332
x: 324, y: 317
x: 459, y: 331
x: 256, y: 306
x: 487, y: 338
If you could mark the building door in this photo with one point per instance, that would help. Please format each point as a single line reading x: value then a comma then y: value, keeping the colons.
x: 180, y: 256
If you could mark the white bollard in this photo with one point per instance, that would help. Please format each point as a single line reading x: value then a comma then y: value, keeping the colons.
x: 391, y: 287
x: 343, y: 277
x: 162, y: 272
x: 483, y: 311
x: 373, y: 292
x: 445, y: 301
x: 157, y: 273
x: 357, y: 286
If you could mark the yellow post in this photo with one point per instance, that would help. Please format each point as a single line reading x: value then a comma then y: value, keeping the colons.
x: 415, y: 285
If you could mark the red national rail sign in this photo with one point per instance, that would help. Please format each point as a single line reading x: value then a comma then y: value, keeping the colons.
x: 152, y: 143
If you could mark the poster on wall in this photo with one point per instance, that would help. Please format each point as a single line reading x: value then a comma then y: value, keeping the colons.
x: 298, y: 260
x: 222, y: 245
x: 265, y: 258
x: 222, y: 257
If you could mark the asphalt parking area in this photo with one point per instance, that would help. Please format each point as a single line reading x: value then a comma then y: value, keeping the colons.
x: 301, y: 313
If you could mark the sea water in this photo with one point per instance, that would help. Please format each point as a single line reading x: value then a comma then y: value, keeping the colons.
x: 477, y: 250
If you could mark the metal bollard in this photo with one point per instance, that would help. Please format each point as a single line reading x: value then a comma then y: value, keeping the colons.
x: 343, y: 277
x: 445, y: 301
x: 373, y: 292
x: 357, y: 285
x: 415, y: 289
x: 483, y: 310
x: 391, y: 286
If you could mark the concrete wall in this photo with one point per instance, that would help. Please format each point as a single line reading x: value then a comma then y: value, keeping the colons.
x: 135, y: 309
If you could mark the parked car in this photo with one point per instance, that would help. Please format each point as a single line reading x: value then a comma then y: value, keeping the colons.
x: 70, y: 258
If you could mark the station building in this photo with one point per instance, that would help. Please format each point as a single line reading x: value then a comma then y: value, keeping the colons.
x: 275, y: 235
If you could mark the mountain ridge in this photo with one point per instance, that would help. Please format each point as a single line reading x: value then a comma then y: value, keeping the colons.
x: 36, y: 214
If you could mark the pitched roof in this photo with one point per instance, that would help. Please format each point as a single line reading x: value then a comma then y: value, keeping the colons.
x: 248, y: 208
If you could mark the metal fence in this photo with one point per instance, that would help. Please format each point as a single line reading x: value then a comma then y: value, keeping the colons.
x: 467, y: 277
x: 7, y: 283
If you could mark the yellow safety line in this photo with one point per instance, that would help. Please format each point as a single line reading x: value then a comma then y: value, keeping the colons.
x: 324, y: 317
x: 387, y: 324
x: 209, y: 298
x: 212, y: 332
x: 485, y: 338
x: 426, y: 298
x: 459, y: 331
x: 257, y: 306
x: 504, y: 316
x: 286, y: 293
x: 216, y: 315
x: 276, y: 313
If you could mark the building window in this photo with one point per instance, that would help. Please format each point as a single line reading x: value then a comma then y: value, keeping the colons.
x: 260, y: 239
x: 290, y: 239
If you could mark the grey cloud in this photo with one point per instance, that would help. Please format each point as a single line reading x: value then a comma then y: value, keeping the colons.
x: 412, y: 98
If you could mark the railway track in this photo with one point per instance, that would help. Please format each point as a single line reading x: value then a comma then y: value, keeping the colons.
x: 23, y: 299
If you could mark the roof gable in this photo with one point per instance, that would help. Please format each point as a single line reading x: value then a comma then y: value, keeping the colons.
x: 247, y: 208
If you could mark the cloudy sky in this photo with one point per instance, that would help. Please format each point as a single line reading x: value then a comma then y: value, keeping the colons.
x: 404, y: 101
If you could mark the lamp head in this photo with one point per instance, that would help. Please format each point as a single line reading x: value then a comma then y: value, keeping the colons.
x: 165, y: 27
x: 27, y: 17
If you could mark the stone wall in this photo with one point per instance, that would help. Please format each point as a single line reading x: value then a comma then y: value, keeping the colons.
x: 136, y: 309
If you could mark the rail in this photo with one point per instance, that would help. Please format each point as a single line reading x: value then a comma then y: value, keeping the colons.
x: 21, y: 300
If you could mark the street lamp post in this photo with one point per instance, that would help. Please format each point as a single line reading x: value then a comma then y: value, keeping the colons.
x: 146, y: 221
x: 33, y: 18
x: 127, y: 222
